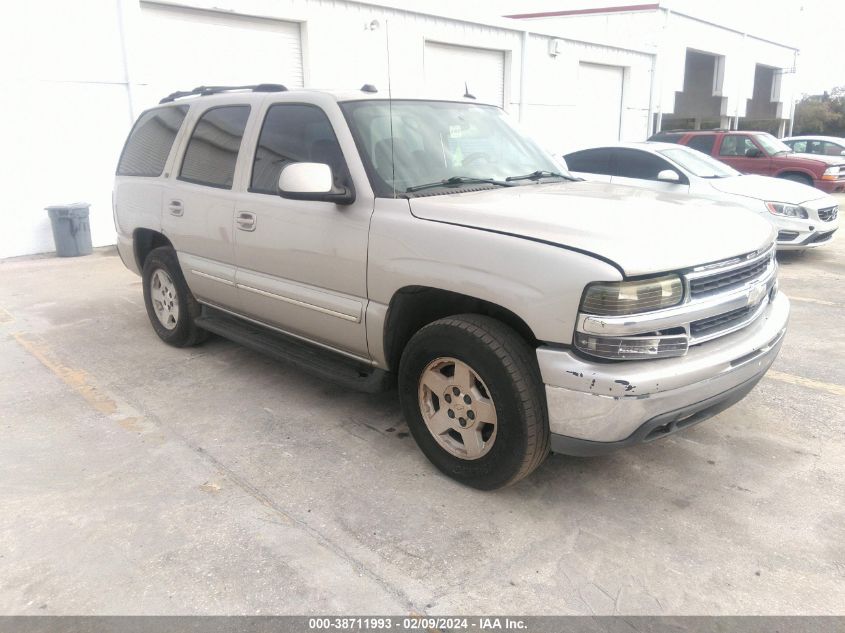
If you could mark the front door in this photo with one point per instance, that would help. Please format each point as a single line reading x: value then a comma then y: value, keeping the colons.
x: 735, y: 149
x: 301, y: 265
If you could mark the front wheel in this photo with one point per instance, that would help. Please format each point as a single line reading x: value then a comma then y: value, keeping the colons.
x: 474, y: 401
x: 170, y: 304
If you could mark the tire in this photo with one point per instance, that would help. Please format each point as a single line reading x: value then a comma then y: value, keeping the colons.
x: 505, y: 387
x: 804, y: 180
x: 164, y: 283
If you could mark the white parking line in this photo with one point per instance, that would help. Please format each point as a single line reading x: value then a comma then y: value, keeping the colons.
x: 836, y: 390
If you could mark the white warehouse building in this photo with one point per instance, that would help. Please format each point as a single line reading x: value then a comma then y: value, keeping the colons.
x: 86, y: 68
x: 706, y: 73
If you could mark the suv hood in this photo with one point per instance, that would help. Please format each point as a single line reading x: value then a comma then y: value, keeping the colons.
x: 641, y: 231
x: 767, y: 189
x: 822, y: 158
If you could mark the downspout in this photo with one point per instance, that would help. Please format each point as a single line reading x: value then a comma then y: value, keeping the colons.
x: 523, y: 64
x: 794, y: 99
x: 651, y: 122
x: 124, y: 49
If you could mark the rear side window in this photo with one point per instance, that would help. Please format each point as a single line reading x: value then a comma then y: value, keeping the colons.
x: 667, y: 137
x: 150, y: 140
x: 590, y: 161
x: 294, y: 133
x: 213, y: 149
x: 703, y: 143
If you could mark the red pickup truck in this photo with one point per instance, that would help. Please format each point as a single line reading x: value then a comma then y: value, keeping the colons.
x: 761, y: 153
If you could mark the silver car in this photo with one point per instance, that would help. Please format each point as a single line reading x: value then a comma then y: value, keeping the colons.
x: 803, y: 216
x: 817, y: 145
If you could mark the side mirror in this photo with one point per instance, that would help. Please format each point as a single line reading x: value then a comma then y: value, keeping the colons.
x: 669, y: 175
x: 753, y: 152
x: 312, y: 181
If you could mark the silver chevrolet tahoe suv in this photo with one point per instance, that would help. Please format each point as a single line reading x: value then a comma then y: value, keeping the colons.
x: 430, y: 244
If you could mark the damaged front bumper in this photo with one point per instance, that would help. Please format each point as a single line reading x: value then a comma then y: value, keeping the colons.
x: 597, y: 407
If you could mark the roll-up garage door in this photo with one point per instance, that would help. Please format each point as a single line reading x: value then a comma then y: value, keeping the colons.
x: 600, y: 102
x: 448, y: 68
x: 184, y: 48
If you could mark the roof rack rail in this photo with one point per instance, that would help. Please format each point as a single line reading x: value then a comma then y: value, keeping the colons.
x: 210, y: 90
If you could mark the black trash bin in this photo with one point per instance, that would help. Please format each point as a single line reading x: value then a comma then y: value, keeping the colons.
x: 71, y: 229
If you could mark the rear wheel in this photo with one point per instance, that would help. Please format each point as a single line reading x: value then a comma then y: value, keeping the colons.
x: 804, y: 180
x: 170, y: 305
x: 472, y: 394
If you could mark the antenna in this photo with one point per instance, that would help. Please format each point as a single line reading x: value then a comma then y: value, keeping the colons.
x: 467, y: 94
x: 390, y: 107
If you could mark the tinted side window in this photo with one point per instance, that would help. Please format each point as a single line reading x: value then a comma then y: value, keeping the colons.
x: 703, y: 143
x: 294, y: 133
x: 150, y: 140
x: 631, y: 163
x: 667, y: 137
x: 590, y: 161
x: 213, y: 149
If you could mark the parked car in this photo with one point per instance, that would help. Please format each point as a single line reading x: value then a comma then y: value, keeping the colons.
x: 803, y: 216
x: 817, y: 145
x: 763, y: 154
x: 428, y: 243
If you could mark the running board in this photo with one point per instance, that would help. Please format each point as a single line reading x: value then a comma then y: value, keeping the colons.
x: 315, y: 360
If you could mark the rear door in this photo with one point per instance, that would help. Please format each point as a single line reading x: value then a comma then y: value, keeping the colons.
x: 301, y: 265
x: 199, y: 202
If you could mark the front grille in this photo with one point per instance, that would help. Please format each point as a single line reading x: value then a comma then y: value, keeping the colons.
x: 719, y: 322
x: 703, y: 286
x: 829, y: 214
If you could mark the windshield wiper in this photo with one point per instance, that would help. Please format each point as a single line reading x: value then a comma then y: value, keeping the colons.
x: 540, y: 173
x: 458, y: 180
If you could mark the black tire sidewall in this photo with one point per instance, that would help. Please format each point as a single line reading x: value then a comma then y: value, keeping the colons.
x: 183, y: 334
x: 499, y: 466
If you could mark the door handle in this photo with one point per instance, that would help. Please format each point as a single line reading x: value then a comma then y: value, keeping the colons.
x: 176, y: 207
x: 246, y: 221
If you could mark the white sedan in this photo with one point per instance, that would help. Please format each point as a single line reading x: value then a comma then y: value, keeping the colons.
x: 804, y: 216
x: 817, y: 145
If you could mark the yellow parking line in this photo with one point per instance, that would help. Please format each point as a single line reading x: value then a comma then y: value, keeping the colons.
x: 77, y: 379
x: 836, y: 390
x: 6, y: 316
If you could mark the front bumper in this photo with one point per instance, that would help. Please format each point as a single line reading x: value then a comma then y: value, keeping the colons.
x: 830, y: 186
x: 597, y: 407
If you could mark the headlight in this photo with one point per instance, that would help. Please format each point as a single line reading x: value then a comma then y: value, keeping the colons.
x: 831, y: 173
x: 617, y: 298
x: 787, y: 210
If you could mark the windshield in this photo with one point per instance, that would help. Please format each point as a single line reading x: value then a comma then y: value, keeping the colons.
x: 434, y: 141
x: 699, y: 164
x: 771, y: 144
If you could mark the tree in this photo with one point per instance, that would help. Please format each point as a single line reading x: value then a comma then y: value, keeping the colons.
x: 823, y: 114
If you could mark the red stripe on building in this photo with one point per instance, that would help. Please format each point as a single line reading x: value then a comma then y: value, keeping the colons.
x: 554, y: 14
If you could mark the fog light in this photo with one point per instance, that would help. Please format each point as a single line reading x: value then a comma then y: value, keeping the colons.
x: 632, y: 347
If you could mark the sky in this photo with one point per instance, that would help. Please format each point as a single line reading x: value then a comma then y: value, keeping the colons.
x: 817, y: 27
